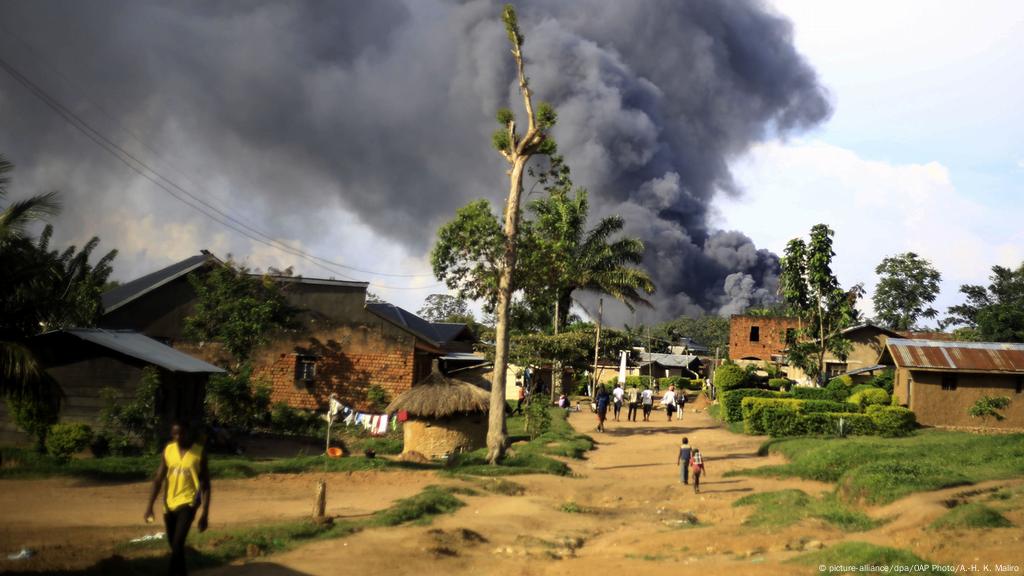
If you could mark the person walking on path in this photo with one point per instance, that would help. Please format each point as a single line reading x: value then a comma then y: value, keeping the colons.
x: 683, y: 461
x: 669, y: 402
x: 681, y: 402
x: 697, y: 467
x: 522, y: 398
x: 602, y: 406
x: 633, y: 400
x: 617, y: 395
x: 185, y: 469
x: 647, y: 400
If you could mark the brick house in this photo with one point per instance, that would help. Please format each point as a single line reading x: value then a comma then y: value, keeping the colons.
x: 941, y: 380
x: 760, y: 338
x: 341, y: 344
x: 867, y: 342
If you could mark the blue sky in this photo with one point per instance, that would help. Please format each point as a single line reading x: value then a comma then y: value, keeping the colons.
x: 925, y: 149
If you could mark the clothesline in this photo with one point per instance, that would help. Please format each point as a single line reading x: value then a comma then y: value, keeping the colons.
x: 376, y: 424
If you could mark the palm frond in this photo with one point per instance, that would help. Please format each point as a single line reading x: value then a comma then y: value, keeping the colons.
x: 16, y: 216
x: 18, y: 368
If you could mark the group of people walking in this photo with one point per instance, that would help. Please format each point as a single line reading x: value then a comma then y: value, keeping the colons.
x: 636, y: 400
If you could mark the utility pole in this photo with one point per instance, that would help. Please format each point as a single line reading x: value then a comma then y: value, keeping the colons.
x: 597, y: 344
x: 556, y: 364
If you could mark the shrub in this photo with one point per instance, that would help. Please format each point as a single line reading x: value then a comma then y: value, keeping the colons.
x: 818, y: 423
x: 287, y: 420
x: 805, y: 393
x: 868, y: 397
x: 781, y: 419
x: 538, y: 417
x: 640, y: 382
x: 730, y: 377
x: 759, y: 413
x: 235, y: 402
x: 732, y: 401
x: 680, y: 382
x: 378, y: 397
x: 65, y: 440
x: 129, y: 424
x: 34, y: 415
x: 892, y: 420
x: 989, y: 406
x: 783, y: 384
x: 854, y: 424
x: 845, y: 380
x: 839, y: 390
x: 822, y: 406
x: 883, y: 380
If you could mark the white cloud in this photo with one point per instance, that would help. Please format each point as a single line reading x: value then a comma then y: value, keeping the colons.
x: 876, y: 208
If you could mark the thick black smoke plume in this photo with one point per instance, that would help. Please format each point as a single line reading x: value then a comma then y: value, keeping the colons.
x: 384, y: 109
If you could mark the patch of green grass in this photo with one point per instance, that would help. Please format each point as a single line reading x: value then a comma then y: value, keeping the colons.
x: 715, y: 411
x: 648, y: 557
x: 572, y: 508
x: 857, y: 554
x: 973, y: 515
x: 135, y: 468
x: 787, y: 507
x: 882, y: 470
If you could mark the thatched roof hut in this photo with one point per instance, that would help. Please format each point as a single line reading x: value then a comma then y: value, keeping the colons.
x: 447, y: 414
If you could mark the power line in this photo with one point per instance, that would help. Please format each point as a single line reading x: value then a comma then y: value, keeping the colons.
x: 140, y: 167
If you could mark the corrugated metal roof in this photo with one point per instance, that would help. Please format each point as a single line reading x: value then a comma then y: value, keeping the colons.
x: 669, y: 360
x: 866, y: 369
x: 125, y: 293
x: 138, y: 346
x: 404, y: 319
x: 447, y: 331
x: 957, y: 356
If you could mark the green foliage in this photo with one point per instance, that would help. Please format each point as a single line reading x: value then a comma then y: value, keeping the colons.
x: 546, y: 116
x: 812, y: 291
x: 787, y: 507
x: 882, y: 380
x: 129, y: 424
x: 571, y: 507
x: 971, y: 516
x: 732, y: 401
x: 504, y: 116
x: 33, y: 415
x: 378, y: 397
x: 236, y: 309
x: 774, y: 416
x: 66, y: 440
x: 446, y: 308
x: 881, y: 470
x: 822, y: 406
x: 641, y: 382
x: 868, y: 396
x: 680, y: 383
x: 995, y: 312
x: 730, y: 377
x: 711, y: 331
x: 781, y: 384
x: 806, y: 393
x: 432, y: 501
x: 538, y: 418
x: 287, y: 420
x: 468, y: 252
x: 892, y: 420
x: 989, y: 407
x: 857, y: 554
x: 235, y: 402
x: 574, y: 347
x: 501, y: 140
x: 907, y: 285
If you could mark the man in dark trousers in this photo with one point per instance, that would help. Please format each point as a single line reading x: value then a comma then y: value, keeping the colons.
x: 683, y: 461
x: 186, y: 470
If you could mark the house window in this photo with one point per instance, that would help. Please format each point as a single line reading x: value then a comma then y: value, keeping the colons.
x: 755, y: 333
x: 949, y: 382
x: 305, y: 369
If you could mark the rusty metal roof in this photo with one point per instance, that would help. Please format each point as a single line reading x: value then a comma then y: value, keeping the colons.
x: 957, y: 356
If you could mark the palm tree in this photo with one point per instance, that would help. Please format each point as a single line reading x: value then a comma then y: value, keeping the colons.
x: 18, y: 367
x: 571, y: 258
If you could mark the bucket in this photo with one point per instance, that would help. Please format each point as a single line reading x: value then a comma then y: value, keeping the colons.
x: 334, y: 452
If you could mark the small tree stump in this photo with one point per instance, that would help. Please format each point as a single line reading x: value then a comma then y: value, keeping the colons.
x: 320, y: 507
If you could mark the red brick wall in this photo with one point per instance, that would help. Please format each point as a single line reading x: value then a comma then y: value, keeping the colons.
x: 349, y: 374
x: 772, y: 336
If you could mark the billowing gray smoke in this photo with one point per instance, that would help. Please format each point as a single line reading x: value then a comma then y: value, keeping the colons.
x: 385, y: 108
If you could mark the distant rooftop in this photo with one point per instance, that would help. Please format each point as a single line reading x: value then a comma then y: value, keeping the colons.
x: 940, y: 355
x: 140, y: 347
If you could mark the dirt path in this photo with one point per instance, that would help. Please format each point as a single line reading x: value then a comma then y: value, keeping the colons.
x: 73, y: 523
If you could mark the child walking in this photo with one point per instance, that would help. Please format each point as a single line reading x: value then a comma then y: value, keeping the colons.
x: 696, y: 468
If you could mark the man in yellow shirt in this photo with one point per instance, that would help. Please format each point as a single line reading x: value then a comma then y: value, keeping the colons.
x: 185, y: 468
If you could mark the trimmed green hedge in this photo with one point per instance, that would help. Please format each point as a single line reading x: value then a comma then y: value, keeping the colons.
x: 732, y: 401
x: 819, y: 406
x: 869, y: 396
x: 730, y: 377
x: 782, y: 384
x: 762, y: 414
x: 680, y: 382
x: 892, y: 420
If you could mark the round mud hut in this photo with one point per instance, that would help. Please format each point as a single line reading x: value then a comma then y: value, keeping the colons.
x: 447, y: 414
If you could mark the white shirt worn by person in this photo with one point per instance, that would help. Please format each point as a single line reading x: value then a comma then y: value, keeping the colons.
x: 647, y: 396
x: 617, y: 394
x: 669, y: 399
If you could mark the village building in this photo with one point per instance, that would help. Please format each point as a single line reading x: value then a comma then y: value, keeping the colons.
x: 340, y: 343
x: 941, y: 380
x: 867, y: 343
x: 83, y: 362
x: 659, y: 365
x: 759, y: 339
x: 445, y: 414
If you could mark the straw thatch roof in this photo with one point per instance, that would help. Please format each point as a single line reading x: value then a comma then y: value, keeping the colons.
x: 439, y: 396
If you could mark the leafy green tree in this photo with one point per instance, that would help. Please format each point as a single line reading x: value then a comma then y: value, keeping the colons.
x: 907, y: 285
x: 995, y: 313
x: 129, y: 424
x: 236, y: 310
x: 236, y: 402
x: 711, y: 331
x: 468, y: 253
x: 446, y: 308
x: 813, y: 292
x: 34, y: 414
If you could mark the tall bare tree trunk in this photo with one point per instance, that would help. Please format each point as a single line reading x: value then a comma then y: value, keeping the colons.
x: 556, y: 364
x: 597, y: 343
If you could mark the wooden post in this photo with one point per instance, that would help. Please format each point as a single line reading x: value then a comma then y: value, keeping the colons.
x: 320, y: 507
x: 597, y: 345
